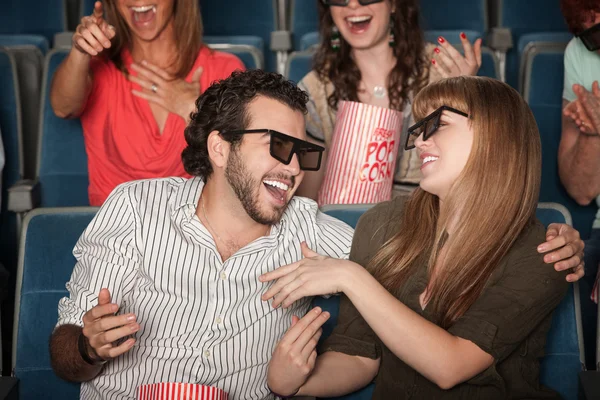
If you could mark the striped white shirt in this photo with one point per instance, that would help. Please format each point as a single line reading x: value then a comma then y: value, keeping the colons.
x: 202, y: 320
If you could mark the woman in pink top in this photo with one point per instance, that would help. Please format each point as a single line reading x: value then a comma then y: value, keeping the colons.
x: 133, y: 79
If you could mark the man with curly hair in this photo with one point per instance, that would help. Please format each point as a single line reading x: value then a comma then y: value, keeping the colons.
x: 166, y: 287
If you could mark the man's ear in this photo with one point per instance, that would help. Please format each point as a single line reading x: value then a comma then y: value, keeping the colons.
x: 218, y: 149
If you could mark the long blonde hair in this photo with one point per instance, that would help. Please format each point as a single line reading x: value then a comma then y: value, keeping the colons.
x: 188, y: 34
x: 495, y: 197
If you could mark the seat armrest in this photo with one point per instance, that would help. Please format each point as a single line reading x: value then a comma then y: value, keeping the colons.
x: 500, y: 39
x: 24, y: 196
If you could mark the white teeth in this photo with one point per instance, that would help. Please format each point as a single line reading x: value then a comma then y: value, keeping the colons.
x: 277, y: 184
x: 428, y: 159
x: 144, y: 8
x: 361, y: 18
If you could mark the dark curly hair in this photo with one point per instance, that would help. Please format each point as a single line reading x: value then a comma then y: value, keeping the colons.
x: 578, y: 12
x: 407, y: 75
x: 223, y: 107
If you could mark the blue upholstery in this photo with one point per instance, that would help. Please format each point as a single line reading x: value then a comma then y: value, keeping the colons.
x: 523, y: 17
x: 10, y: 128
x: 62, y: 167
x: 543, y: 92
x: 305, y: 20
x: 562, y: 362
x: 298, y: 65
x: 25, y: 40
x: 33, y: 17
x: 45, y: 264
x: 462, y: 15
x: 309, y: 40
x: 235, y: 18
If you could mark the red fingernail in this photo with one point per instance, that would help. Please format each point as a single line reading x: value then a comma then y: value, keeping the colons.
x: 462, y: 35
x: 441, y: 39
x: 437, y: 50
x: 433, y: 61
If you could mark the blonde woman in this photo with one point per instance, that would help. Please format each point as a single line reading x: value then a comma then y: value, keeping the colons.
x: 455, y: 301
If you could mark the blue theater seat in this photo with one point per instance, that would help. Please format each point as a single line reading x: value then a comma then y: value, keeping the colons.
x: 32, y: 17
x: 542, y: 89
x: 564, y: 357
x: 62, y: 163
x: 45, y: 265
x: 462, y: 15
x: 526, y: 17
x: 242, y: 18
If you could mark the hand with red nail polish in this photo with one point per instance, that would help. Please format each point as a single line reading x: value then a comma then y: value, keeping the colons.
x: 449, y: 62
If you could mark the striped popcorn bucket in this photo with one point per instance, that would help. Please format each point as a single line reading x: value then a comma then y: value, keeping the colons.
x: 180, y: 391
x: 362, y: 155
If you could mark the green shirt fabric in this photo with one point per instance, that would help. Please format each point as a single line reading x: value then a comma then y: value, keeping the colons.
x: 510, y: 319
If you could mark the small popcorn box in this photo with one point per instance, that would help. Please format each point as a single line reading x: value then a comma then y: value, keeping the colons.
x: 180, y: 391
x: 362, y: 156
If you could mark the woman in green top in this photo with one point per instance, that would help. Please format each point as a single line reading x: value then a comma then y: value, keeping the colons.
x: 454, y: 301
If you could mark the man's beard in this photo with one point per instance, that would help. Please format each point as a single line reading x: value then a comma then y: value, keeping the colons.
x: 247, y: 190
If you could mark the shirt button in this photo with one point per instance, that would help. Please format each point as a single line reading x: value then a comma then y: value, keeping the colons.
x: 219, y: 320
x: 207, y: 354
x: 223, y: 276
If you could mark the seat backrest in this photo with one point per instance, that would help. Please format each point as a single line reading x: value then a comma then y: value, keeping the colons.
x: 543, y: 85
x: 464, y: 14
x: 304, y: 20
x: 241, y: 18
x: 11, y: 131
x: 62, y: 160
x: 299, y: 63
x: 28, y: 51
x: 564, y: 353
x: 45, y: 265
x: 518, y: 16
x: 33, y: 17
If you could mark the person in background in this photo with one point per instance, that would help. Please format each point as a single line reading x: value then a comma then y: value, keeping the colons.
x: 579, y: 150
x: 132, y: 77
x: 373, y: 51
x: 445, y: 295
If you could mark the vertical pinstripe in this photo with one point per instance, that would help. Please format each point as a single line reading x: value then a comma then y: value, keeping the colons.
x: 202, y: 321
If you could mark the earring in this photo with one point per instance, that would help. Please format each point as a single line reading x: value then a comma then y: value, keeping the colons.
x: 392, y: 39
x: 335, y: 38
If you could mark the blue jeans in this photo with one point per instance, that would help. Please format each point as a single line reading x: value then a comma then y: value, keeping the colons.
x: 589, y: 309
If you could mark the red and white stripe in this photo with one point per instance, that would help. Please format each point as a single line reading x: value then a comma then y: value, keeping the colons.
x: 355, y: 128
x: 180, y: 391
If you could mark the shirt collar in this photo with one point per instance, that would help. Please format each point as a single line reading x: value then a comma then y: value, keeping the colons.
x: 188, y: 194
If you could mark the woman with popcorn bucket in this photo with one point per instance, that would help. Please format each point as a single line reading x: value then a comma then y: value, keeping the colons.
x: 372, y: 53
x: 454, y: 300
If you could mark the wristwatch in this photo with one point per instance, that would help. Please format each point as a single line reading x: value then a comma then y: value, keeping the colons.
x: 82, y: 344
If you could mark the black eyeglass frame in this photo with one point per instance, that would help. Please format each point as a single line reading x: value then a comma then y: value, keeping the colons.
x: 344, y: 3
x: 297, y: 144
x: 587, y: 35
x: 435, y: 118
